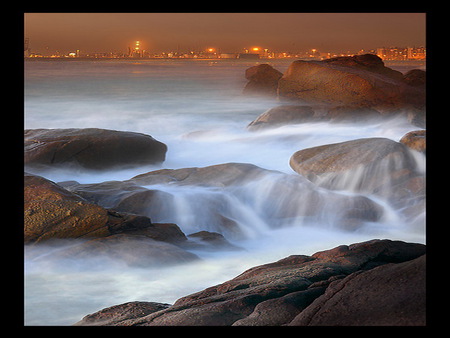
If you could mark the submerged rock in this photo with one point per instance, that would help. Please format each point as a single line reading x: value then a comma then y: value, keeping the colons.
x: 91, y: 148
x: 385, y: 277
x: 129, y: 249
x: 231, y: 199
x: 374, y: 158
x: 378, y: 166
x: 282, y: 115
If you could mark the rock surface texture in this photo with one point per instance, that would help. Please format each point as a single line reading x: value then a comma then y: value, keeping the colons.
x: 379, y: 282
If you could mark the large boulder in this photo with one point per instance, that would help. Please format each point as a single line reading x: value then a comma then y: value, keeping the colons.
x: 91, y: 148
x: 263, y: 79
x: 280, y: 293
x: 361, y: 80
x: 362, y: 164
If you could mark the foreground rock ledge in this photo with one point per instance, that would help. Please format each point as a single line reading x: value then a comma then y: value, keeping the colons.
x: 379, y: 282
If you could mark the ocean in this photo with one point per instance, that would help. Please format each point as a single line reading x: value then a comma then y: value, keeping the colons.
x: 196, y: 107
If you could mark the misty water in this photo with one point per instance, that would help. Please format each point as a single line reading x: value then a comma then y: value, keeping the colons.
x: 197, y: 109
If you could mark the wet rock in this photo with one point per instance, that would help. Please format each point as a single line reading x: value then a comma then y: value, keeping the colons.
x: 369, y: 163
x: 299, y: 286
x: 210, y: 240
x: 53, y: 212
x: 91, y: 148
x: 276, y: 197
x: 282, y: 115
x: 220, y: 175
x: 415, y: 140
x: 263, y: 79
x: 50, y: 212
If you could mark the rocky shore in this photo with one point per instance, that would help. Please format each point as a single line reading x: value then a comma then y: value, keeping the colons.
x: 379, y: 282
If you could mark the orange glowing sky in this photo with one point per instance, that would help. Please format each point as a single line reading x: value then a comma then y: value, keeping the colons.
x: 228, y: 32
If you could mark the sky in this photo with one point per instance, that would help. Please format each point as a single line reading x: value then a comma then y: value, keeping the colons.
x: 227, y: 32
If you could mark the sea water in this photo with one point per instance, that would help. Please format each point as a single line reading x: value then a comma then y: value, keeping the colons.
x: 195, y: 107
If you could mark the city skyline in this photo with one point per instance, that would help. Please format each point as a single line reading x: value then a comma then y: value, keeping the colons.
x: 228, y: 32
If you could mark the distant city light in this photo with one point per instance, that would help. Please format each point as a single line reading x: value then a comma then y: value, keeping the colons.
x: 136, y: 51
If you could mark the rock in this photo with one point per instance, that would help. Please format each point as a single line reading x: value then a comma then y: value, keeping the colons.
x: 51, y: 211
x: 91, y: 148
x: 126, y: 197
x: 220, y: 175
x: 415, y: 140
x: 114, y: 315
x: 389, y: 295
x: 211, y: 240
x: 275, y: 197
x: 282, y: 115
x: 368, y: 62
x: 263, y: 79
x: 286, y: 291
x: 415, y: 77
x: 349, y: 82
x: 362, y: 165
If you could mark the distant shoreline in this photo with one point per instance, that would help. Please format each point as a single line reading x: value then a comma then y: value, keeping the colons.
x: 44, y: 58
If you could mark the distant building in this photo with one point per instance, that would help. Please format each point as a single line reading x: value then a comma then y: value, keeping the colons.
x: 229, y: 55
x: 251, y: 56
x: 402, y: 53
x: 419, y: 53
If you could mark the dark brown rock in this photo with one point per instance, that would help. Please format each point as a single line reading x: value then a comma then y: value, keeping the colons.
x: 263, y: 79
x: 114, y: 315
x: 415, y: 77
x: 289, y: 290
x: 389, y: 295
x: 91, y: 148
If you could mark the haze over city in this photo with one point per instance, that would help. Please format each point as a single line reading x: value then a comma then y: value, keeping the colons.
x: 227, y: 32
